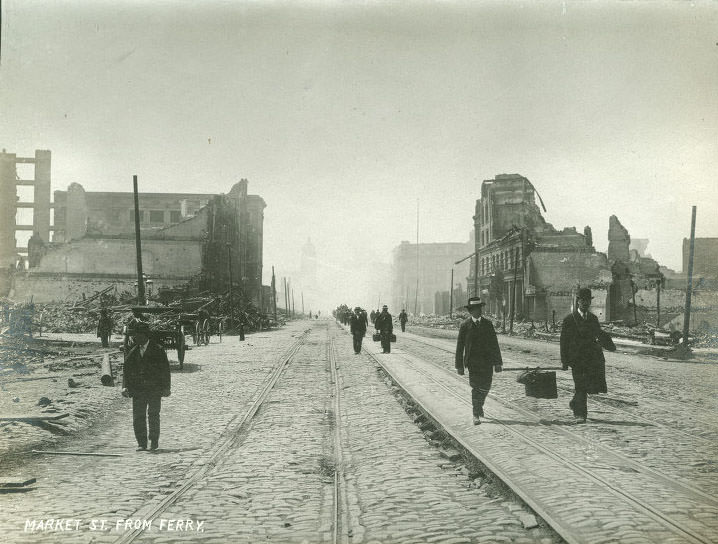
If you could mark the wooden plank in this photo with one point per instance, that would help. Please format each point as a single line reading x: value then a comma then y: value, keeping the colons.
x: 40, y: 417
x: 16, y: 482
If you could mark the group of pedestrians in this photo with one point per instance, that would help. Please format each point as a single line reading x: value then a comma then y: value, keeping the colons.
x: 146, y: 378
x: 582, y: 344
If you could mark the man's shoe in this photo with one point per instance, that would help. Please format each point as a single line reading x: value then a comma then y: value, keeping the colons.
x: 477, y: 421
x: 141, y: 448
x: 153, y: 445
x: 580, y: 419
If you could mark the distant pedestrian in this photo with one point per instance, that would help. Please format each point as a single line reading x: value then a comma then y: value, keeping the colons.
x: 385, y: 327
x: 582, y: 344
x: 146, y: 380
x: 403, y: 318
x: 365, y: 318
x: 372, y: 316
x: 104, y: 327
x: 358, y: 329
x: 477, y: 349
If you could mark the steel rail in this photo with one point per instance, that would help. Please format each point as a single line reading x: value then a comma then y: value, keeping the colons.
x: 665, y: 520
x: 602, y: 400
x: 229, y: 439
x: 341, y: 528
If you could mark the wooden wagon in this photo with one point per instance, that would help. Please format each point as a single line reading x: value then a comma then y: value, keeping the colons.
x: 171, y: 336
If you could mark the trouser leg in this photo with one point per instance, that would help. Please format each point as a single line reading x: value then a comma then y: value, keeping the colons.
x: 154, y: 404
x: 580, y: 397
x: 139, y: 419
x: 480, y: 382
x: 385, y: 343
x: 105, y: 340
x: 403, y: 326
x: 356, y: 341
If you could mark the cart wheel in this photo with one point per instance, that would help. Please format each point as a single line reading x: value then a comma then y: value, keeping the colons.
x: 205, y: 331
x: 196, y: 334
x: 220, y: 330
x: 181, y: 347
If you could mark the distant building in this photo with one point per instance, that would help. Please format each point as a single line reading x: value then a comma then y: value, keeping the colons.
x: 705, y: 257
x: 434, y: 263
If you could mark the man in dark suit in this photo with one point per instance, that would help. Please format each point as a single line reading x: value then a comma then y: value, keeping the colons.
x: 357, y: 326
x: 403, y: 318
x: 582, y: 343
x: 146, y: 379
x: 385, y: 327
x: 477, y: 349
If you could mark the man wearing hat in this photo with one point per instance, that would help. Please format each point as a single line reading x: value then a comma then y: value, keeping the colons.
x: 357, y: 326
x: 477, y: 349
x: 146, y: 379
x: 403, y: 318
x: 385, y: 327
x: 582, y: 343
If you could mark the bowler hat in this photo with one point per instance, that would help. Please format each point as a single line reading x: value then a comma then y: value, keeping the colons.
x: 385, y: 307
x: 584, y: 293
x: 141, y: 326
x: 357, y: 309
x: 474, y: 302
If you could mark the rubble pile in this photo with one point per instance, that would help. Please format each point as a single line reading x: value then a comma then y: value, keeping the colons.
x: 62, y: 318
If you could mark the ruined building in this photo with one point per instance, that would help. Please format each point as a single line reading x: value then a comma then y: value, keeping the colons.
x: 523, y: 262
x: 201, y: 239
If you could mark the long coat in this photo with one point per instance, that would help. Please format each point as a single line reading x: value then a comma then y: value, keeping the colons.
x: 477, y: 346
x: 582, y: 343
x: 357, y: 324
x: 383, y: 323
x: 148, y: 374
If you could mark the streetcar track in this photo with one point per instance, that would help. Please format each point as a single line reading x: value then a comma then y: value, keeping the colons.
x: 654, y: 513
x: 602, y: 400
x: 341, y: 530
x: 230, y: 438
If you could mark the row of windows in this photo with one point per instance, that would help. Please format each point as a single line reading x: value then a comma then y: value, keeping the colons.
x: 500, y: 261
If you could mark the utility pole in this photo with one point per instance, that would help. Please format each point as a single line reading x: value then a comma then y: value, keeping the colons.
x: 689, y: 290
x: 274, y: 293
x: 658, y: 302
x: 451, y: 294
x: 513, y: 291
x: 294, y: 314
x: 416, y: 292
x: 302, y: 303
x: 286, y: 298
x: 138, y: 247
x: 229, y: 257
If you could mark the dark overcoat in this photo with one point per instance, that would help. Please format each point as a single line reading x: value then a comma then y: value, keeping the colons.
x: 357, y: 325
x: 582, y: 343
x: 477, y: 346
x: 148, y: 374
x: 384, y: 323
x: 403, y: 318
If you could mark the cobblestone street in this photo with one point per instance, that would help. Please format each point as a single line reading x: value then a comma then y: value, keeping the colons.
x: 275, y: 482
x: 218, y: 477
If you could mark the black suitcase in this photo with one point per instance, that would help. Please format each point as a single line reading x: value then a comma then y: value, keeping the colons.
x: 540, y: 384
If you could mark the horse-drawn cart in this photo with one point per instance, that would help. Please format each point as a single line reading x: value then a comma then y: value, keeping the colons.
x: 170, y: 334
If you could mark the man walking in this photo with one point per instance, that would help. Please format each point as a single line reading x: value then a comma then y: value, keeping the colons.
x: 403, y: 318
x: 582, y: 343
x: 146, y: 380
x: 357, y: 326
x: 104, y: 327
x: 477, y: 349
x: 385, y: 327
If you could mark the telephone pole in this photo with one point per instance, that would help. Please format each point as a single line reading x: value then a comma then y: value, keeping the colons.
x: 138, y: 247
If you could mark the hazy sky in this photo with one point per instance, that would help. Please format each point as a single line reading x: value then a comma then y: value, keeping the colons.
x: 341, y: 115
